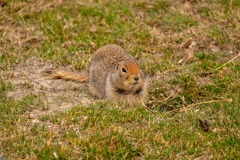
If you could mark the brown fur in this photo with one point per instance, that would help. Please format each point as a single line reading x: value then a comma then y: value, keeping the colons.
x: 60, y: 74
x: 113, y: 74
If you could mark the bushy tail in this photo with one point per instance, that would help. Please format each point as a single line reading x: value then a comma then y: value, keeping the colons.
x: 60, y: 74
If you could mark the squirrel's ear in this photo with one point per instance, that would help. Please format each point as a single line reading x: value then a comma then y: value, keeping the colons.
x: 116, y: 67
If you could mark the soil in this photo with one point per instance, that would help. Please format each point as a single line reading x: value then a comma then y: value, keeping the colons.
x: 56, y: 95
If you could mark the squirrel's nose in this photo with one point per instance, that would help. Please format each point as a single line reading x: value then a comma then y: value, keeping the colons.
x: 136, y: 78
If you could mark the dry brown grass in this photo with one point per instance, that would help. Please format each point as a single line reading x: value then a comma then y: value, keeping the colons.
x: 190, y: 50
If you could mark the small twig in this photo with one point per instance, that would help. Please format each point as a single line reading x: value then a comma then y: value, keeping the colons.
x: 207, y: 102
x: 225, y: 63
x: 200, y: 103
x: 152, y: 101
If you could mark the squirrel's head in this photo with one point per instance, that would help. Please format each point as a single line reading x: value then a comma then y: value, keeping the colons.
x: 130, y: 73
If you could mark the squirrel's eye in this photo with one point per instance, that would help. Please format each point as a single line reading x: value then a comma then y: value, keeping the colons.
x: 124, y: 70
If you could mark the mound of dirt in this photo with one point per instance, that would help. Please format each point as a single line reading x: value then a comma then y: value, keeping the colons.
x: 57, y: 95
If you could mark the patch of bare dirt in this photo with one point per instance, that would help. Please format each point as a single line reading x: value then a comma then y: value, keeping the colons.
x: 57, y: 95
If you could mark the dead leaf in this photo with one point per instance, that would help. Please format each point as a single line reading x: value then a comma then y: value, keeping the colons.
x: 204, y: 125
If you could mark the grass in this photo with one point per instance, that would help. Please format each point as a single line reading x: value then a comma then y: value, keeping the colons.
x: 188, y: 48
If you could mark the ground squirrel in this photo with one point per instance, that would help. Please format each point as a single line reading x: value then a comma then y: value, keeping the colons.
x: 112, y: 74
